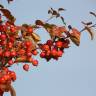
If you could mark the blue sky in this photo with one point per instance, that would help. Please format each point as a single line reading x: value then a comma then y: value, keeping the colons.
x: 75, y: 73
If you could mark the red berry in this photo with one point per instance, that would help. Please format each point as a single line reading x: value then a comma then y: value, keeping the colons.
x: 7, y: 23
x: 5, y: 69
x: 13, y: 76
x: 29, y: 54
x: 48, y: 53
x: 21, y: 52
x: 3, y: 36
x: 7, y: 53
x: 35, y: 52
x: 42, y: 54
x: 26, y: 67
x: 49, y: 42
x: 13, y: 53
x: 1, y: 52
x: 30, y: 29
x: 28, y: 43
x: 13, y: 29
x: 10, y: 44
x: 3, y: 43
x: 45, y: 47
x: 6, y: 77
x: 12, y: 39
x: 35, y: 62
x: 10, y: 62
x: 59, y: 44
x: 54, y: 52
x: 2, y: 80
x: 59, y: 53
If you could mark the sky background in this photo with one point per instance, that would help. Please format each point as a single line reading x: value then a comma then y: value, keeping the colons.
x: 75, y: 73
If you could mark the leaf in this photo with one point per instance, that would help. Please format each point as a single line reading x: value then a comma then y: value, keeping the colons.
x: 1, y: 6
x: 75, y: 36
x: 92, y: 13
x: 63, y: 20
x: 25, y: 25
x: 49, y: 12
x: 9, y: 1
x: 89, y: 30
x: 58, y: 15
x: 88, y: 23
x: 40, y: 45
x: 61, y: 9
x: 36, y: 37
x: 55, y: 13
x: 8, y: 15
x: 47, y: 25
x: 39, y: 22
x: 20, y: 59
x: 52, y: 9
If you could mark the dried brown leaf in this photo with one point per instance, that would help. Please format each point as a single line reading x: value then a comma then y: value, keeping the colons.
x: 36, y: 37
x: 39, y: 22
x: 49, y: 12
x: 75, y: 36
x: 92, y: 13
x: 88, y: 23
x: 1, y: 6
x: 9, y: 1
x: 8, y: 15
x: 61, y: 9
x: 89, y: 30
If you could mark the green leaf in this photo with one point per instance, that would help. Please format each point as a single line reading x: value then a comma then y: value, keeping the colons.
x: 63, y: 20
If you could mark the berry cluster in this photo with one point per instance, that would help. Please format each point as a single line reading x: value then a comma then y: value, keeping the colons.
x: 54, y: 49
x: 14, y: 47
x: 6, y: 76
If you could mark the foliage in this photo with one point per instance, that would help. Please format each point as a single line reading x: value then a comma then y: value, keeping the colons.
x: 21, y: 43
